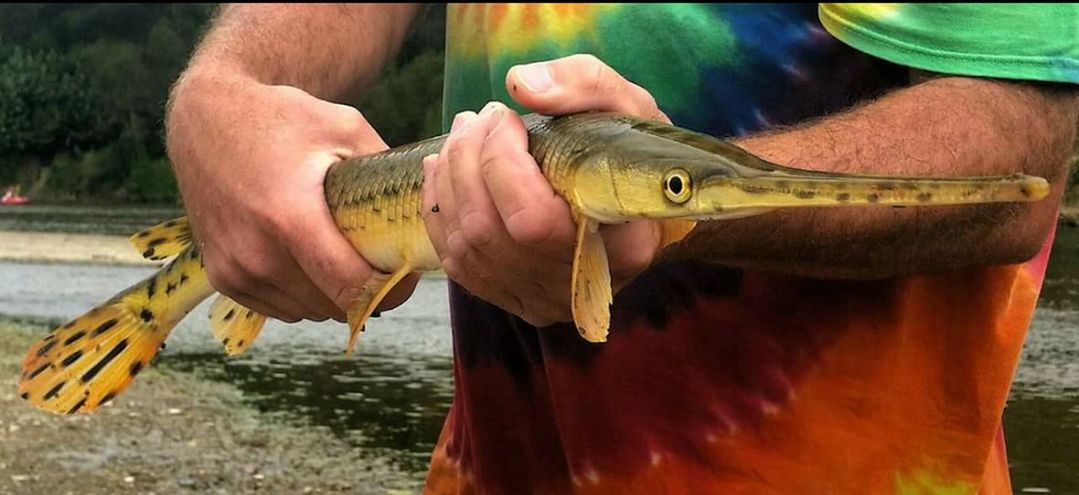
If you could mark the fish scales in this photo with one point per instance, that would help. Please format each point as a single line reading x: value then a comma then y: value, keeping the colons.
x: 376, y: 202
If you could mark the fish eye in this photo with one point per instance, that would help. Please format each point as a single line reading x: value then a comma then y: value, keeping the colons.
x: 677, y: 186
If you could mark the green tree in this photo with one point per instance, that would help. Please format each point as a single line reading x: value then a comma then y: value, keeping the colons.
x: 83, y: 89
x: 45, y: 108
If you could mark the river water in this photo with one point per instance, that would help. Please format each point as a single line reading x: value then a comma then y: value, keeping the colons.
x: 391, y: 396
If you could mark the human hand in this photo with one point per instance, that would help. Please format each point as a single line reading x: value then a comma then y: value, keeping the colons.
x: 250, y: 160
x: 500, y: 230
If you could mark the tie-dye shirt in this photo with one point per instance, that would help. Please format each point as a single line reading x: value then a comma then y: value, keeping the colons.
x: 722, y: 380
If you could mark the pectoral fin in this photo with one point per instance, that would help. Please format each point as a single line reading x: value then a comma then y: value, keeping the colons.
x: 674, y: 231
x: 373, y: 292
x: 591, y: 282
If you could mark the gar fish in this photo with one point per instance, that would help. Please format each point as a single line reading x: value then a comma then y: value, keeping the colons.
x: 609, y: 169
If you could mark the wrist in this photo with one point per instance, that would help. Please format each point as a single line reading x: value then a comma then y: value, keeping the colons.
x: 205, y: 89
x: 210, y: 77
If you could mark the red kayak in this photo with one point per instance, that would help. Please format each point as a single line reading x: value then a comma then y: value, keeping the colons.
x: 10, y: 197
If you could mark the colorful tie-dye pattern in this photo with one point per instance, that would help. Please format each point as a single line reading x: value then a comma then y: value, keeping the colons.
x: 1014, y: 41
x: 719, y: 380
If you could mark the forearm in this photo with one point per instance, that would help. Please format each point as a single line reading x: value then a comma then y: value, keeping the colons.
x: 331, y: 51
x: 944, y: 127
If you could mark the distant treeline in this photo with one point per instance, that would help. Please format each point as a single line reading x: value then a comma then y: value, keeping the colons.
x: 83, y: 91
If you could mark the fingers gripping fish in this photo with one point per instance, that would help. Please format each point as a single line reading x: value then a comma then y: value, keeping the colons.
x: 609, y: 169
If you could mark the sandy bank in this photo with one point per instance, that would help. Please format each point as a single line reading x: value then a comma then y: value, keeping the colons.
x: 68, y: 248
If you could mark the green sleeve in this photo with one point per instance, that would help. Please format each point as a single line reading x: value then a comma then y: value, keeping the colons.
x: 1012, y: 41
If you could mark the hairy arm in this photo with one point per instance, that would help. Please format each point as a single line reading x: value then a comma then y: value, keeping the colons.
x: 328, y: 50
x: 947, y: 127
x: 251, y: 130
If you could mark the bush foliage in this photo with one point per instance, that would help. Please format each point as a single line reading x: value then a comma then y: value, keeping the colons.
x: 83, y: 91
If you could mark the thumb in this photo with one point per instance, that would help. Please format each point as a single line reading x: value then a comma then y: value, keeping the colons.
x: 578, y: 83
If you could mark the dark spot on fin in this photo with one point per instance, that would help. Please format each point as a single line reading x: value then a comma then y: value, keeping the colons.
x: 89, y: 375
x: 136, y: 368
x: 24, y: 395
x: 228, y: 316
x: 146, y: 315
x: 873, y: 197
x: 68, y: 361
x: 169, y: 288
x: 53, y: 391
x: 149, y: 253
x: 40, y: 369
x: 105, y: 326
x: 74, y: 409
x: 151, y: 287
x: 46, y: 348
x: 240, y: 343
x: 805, y: 194
x: 109, y: 396
x: 225, y: 341
x: 74, y: 338
x: 925, y: 197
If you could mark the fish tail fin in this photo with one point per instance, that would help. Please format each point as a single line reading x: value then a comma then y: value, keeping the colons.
x: 85, y: 363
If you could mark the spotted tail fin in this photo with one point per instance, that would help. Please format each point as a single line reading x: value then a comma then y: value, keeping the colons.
x: 85, y: 363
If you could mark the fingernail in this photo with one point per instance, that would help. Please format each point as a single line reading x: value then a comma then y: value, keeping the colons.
x: 493, y: 113
x: 494, y: 118
x: 536, y: 77
x: 461, y: 120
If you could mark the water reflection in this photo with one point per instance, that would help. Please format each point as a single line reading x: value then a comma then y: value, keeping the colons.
x: 1061, y: 287
x: 391, y: 405
x: 1041, y: 420
x: 1043, y: 443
